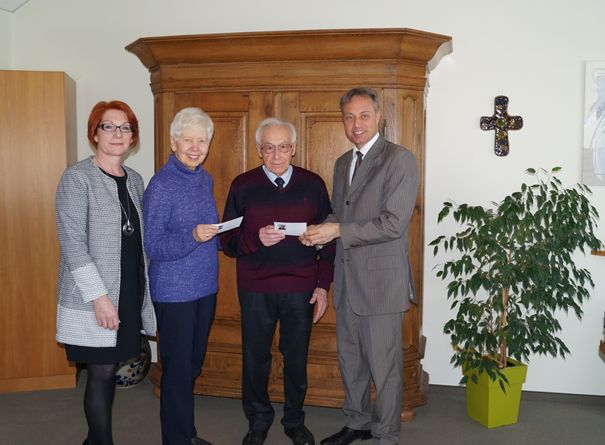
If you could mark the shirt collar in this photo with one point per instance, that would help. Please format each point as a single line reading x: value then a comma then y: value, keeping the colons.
x: 286, y: 176
x: 364, y: 150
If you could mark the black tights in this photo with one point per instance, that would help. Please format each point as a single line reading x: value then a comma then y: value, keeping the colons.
x: 98, y: 400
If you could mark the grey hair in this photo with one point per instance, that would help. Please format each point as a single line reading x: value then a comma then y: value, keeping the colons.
x: 188, y: 118
x: 360, y: 91
x: 273, y: 121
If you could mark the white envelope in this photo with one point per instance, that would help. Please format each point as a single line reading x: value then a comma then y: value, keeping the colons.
x: 291, y: 228
x: 228, y: 225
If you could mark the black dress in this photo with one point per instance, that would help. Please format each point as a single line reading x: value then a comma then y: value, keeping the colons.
x: 131, y: 293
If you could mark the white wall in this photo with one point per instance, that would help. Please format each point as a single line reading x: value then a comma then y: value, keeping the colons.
x: 531, y: 51
x: 6, y: 32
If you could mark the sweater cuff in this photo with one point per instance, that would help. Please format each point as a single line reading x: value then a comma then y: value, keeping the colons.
x: 89, y: 282
x: 325, y: 275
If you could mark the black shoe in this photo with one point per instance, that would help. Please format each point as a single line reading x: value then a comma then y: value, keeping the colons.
x: 346, y: 436
x: 254, y: 438
x: 199, y: 441
x: 300, y: 435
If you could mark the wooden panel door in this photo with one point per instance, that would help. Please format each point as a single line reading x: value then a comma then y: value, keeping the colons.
x: 322, y: 141
x: 298, y: 76
x: 37, y: 141
x: 232, y: 151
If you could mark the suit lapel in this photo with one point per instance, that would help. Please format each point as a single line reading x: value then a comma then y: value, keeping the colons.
x: 344, y: 171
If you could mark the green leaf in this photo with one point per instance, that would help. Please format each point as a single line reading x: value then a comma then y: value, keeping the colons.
x: 523, y: 244
x: 443, y: 213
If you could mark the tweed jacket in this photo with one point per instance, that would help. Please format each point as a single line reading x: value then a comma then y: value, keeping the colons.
x: 374, y: 212
x: 89, y: 224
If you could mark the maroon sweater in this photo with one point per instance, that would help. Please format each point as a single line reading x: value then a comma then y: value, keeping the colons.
x: 288, y: 266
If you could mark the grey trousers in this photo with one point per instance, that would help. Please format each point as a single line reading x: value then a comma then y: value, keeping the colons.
x: 370, y: 350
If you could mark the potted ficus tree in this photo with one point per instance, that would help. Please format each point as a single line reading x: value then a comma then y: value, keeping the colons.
x: 511, y: 271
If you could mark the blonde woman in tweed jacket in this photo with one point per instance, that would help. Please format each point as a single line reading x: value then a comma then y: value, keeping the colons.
x: 103, y: 301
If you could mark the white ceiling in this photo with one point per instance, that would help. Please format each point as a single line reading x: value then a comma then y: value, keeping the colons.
x: 12, y: 5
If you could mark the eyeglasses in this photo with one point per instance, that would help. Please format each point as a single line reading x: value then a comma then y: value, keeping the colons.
x: 270, y: 148
x: 110, y: 127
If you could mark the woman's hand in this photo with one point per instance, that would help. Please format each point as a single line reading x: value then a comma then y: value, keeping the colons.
x: 204, y: 232
x: 106, y: 313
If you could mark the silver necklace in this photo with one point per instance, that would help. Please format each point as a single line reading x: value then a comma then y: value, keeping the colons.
x: 128, y: 227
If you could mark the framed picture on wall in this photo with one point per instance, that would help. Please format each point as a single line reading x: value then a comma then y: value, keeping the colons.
x: 593, y: 153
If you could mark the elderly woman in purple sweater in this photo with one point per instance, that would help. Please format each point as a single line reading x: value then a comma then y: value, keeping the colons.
x: 179, y: 213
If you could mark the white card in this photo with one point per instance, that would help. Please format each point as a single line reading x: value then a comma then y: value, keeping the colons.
x: 228, y: 225
x: 291, y: 228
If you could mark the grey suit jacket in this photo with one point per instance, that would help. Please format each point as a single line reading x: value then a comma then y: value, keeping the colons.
x: 374, y: 213
x: 89, y: 228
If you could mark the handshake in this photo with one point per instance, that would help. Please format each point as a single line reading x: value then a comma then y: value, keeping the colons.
x: 317, y: 235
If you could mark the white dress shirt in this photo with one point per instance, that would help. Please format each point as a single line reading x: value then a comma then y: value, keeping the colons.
x: 364, y: 151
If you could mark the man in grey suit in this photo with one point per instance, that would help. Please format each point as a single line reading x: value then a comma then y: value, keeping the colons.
x: 375, y: 187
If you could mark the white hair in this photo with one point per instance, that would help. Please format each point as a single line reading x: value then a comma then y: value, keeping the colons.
x: 273, y: 121
x: 188, y: 118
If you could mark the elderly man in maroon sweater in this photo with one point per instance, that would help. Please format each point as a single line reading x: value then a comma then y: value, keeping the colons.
x: 278, y: 278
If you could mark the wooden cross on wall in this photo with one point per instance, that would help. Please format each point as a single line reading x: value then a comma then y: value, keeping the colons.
x: 501, y: 122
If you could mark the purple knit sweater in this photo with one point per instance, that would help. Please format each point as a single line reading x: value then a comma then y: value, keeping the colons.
x: 176, y: 200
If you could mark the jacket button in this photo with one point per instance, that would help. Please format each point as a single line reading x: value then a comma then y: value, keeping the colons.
x: 347, y: 202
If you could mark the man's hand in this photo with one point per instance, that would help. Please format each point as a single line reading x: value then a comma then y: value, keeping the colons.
x: 270, y: 236
x: 106, y: 313
x: 320, y: 234
x: 320, y: 300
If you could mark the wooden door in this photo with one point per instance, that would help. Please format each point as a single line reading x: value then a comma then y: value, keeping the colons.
x: 299, y: 76
x: 322, y: 140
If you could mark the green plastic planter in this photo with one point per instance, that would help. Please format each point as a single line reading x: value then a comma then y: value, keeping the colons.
x: 488, y: 404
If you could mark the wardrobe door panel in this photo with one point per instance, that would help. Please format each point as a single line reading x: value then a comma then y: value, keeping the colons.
x: 298, y: 76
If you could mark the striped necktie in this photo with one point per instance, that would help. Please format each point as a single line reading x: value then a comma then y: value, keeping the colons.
x: 280, y: 183
x: 357, y: 163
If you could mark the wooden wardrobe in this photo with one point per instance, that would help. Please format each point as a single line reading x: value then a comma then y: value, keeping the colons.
x: 240, y: 79
x: 37, y: 142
